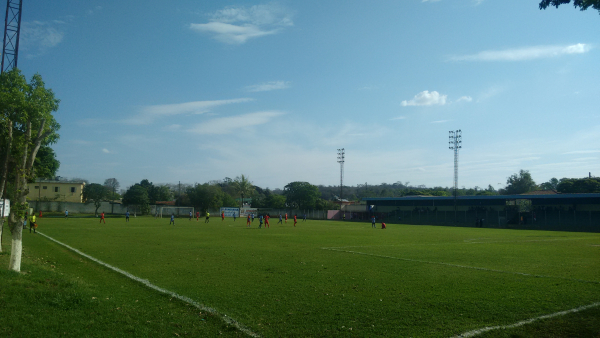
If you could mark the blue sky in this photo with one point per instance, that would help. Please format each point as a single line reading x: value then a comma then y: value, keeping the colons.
x: 194, y: 91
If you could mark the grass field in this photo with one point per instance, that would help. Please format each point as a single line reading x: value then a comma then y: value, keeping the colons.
x: 322, y: 278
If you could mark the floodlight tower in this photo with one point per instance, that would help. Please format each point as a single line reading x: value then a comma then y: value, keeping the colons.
x: 12, y: 30
x: 455, y: 143
x: 340, y: 159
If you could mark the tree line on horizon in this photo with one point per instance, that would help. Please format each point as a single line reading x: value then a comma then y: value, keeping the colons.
x: 229, y: 192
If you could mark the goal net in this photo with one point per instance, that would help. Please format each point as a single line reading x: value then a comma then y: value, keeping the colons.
x: 177, y: 211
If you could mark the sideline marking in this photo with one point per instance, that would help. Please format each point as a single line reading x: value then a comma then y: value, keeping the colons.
x: 461, y: 266
x: 527, y: 321
x: 224, y: 317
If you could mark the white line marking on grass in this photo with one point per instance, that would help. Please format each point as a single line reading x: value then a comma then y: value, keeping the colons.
x: 228, y: 320
x: 528, y: 321
x: 461, y: 266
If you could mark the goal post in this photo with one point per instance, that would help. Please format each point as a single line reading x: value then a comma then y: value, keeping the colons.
x: 177, y: 211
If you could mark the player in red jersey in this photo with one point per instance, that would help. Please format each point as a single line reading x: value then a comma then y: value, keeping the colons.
x: 222, y: 216
x: 102, y: 218
x: 286, y: 217
x: 197, y: 216
x: 248, y: 221
x: 267, y: 225
x: 295, y: 220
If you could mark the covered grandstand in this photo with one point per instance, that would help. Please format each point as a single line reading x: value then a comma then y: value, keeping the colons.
x: 564, y: 212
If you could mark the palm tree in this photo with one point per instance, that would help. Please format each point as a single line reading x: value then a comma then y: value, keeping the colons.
x: 244, y: 187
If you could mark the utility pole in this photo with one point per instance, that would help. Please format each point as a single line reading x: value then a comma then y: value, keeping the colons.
x: 341, y: 159
x: 455, y: 143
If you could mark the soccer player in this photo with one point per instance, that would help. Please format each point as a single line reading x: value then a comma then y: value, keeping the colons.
x: 191, y: 215
x: 222, y: 216
x: 383, y: 225
x: 304, y: 219
x: 207, y: 219
x: 267, y: 225
x: 172, y: 219
x: 197, y: 216
x: 248, y: 221
x: 40, y: 213
x: 32, y: 223
x: 373, y: 222
x: 286, y: 218
x: 234, y: 216
x: 252, y: 217
x: 280, y: 220
x: 260, y: 220
x: 66, y: 213
x: 295, y: 220
x: 102, y: 218
x: 127, y: 216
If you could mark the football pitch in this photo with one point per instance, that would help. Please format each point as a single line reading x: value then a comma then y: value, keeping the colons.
x: 326, y: 278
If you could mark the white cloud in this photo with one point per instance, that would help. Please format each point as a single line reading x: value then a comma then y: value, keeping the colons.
x: 237, y: 24
x: 440, y: 121
x: 106, y: 151
x: 398, y: 118
x: 149, y: 114
x: 267, y: 86
x: 581, y: 152
x: 525, y: 53
x: 227, y: 125
x: 37, y: 37
x: 425, y: 98
x: 465, y: 99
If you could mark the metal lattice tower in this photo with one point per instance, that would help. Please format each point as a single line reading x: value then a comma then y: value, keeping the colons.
x: 455, y: 143
x: 12, y: 30
x: 341, y: 159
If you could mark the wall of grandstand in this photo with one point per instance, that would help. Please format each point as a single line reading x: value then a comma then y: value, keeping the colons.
x: 562, y: 212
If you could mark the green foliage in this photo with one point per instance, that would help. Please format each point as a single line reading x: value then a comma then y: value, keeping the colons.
x: 582, y: 4
x: 95, y: 193
x: 229, y: 202
x: 579, y: 185
x: 137, y: 196
x: 205, y: 196
x: 301, y: 195
x: 552, y: 184
x: 276, y: 201
x: 243, y: 186
x: 519, y: 183
x: 45, y: 165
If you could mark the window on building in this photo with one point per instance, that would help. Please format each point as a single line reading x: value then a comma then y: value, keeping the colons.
x: 37, y: 187
x: 72, y: 189
x: 44, y: 187
x: 56, y: 189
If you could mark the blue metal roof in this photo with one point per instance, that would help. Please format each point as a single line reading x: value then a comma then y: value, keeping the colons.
x: 484, y: 197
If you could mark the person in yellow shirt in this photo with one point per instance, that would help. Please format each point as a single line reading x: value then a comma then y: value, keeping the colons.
x: 207, y: 217
x: 32, y: 223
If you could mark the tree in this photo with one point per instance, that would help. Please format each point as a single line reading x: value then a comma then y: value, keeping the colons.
x: 579, y: 185
x: 519, y: 183
x: 243, y: 186
x: 113, y: 185
x: 582, y: 4
x: 137, y: 196
x: 46, y: 165
x: 552, y: 184
x: 95, y: 193
x: 27, y: 123
x: 159, y: 193
x: 301, y: 195
x: 205, y: 196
